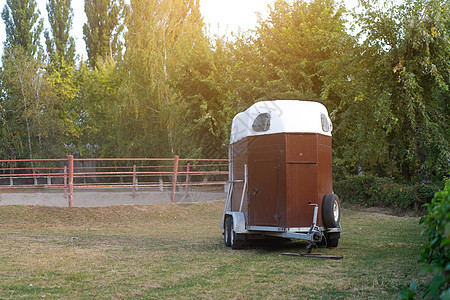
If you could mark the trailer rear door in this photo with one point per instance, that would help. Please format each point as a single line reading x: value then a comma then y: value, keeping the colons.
x: 264, y: 193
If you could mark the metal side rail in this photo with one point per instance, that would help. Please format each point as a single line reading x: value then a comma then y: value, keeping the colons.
x: 227, y: 203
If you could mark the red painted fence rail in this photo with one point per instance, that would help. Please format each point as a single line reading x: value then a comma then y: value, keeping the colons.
x: 73, y: 173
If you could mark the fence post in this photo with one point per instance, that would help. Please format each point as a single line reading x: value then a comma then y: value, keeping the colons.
x: 70, y: 180
x: 65, y: 182
x: 161, y: 184
x: 174, y: 177
x: 134, y: 181
x: 186, y: 189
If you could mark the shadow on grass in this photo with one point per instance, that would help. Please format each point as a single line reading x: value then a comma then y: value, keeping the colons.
x: 276, y: 245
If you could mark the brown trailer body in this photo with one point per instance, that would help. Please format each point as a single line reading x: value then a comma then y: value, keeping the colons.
x: 288, y: 166
x: 286, y: 173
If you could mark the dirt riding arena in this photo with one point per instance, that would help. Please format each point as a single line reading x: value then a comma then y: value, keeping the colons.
x: 106, y: 197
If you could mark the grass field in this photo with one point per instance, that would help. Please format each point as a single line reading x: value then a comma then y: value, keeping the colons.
x: 177, y: 251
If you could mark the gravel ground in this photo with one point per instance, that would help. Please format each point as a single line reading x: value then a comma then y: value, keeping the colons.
x: 90, y: 198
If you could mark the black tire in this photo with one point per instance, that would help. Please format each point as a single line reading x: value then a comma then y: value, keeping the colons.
x: 227, y: 231
x: 235, y: 243
x: 332, y: 239
x: 331, y: 211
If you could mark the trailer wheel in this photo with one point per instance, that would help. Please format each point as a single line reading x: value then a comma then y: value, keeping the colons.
x: 331, y: 211
x: 234, y: 242
x: 227, y: 231
x: 333, y: 243
x: 330, y: 240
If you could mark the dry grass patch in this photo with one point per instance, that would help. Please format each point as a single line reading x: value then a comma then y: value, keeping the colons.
x: 176, y: 251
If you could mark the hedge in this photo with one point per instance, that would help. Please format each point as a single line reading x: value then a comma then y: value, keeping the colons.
x: 368, y: 190
x: 436, y: 251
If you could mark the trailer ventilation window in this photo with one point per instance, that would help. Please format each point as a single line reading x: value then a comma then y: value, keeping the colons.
x: 326, y: 123
x: 262, y: 122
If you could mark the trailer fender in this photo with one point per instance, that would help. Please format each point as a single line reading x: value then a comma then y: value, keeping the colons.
x: 238, y: 221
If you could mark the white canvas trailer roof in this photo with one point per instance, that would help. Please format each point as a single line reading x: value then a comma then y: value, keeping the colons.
x: 281, y: 116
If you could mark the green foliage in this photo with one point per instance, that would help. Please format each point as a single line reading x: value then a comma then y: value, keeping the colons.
x: 103, y: 28
x: 295, y: 43
x: 30, y: 108
x: 100, y: 93
x: 395, y: 120
x: 284, y: 59
x: 60, y: 45
x: 23, y: 25
x: 172, y: 90
x: 369, y: 190
x: 157, y: 50
x: 409, y: 293
x: 70, y: 109
x: 436, y: 252
x: 10, y: 137
x: 207, y: 85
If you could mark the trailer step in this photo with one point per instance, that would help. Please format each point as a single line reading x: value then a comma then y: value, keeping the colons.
x: 314, y: 255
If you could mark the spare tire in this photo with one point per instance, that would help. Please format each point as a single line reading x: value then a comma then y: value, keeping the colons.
x: 331, y: 211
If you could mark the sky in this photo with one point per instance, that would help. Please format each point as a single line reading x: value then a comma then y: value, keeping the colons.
x: 221, y: 17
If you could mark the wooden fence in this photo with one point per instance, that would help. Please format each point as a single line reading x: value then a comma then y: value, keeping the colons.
x: 76, y: 173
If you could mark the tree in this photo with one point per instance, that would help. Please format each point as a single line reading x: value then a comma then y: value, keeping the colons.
x: 21, y: 79
x: 289, y: 56
x: 10, y: 134
x: 208, y: 89
x: 61, y: 75
x: 103, y: 29
x: 160, y: 36
x: 60, y: 45
x: 30, y: 108
x: 100, y: 92
x: 294, y: 44
x: 23, y: 25
x: 397, y: 119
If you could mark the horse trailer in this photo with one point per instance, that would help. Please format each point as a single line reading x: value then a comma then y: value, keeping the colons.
x: 280, y: 176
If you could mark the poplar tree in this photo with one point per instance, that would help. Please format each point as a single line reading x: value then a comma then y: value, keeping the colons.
x: 60, y: 45
x: 161, y: 36
x: 23, y: 25
x: 19, y: 77
x: 103, y: 28
x: 61, y: 75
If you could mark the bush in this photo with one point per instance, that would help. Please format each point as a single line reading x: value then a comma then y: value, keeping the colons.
x: 436, y: 252
x: 370, y: 190
x: 436, y: 226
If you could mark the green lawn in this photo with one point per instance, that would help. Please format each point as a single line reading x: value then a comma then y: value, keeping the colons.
x: 177, y: 251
